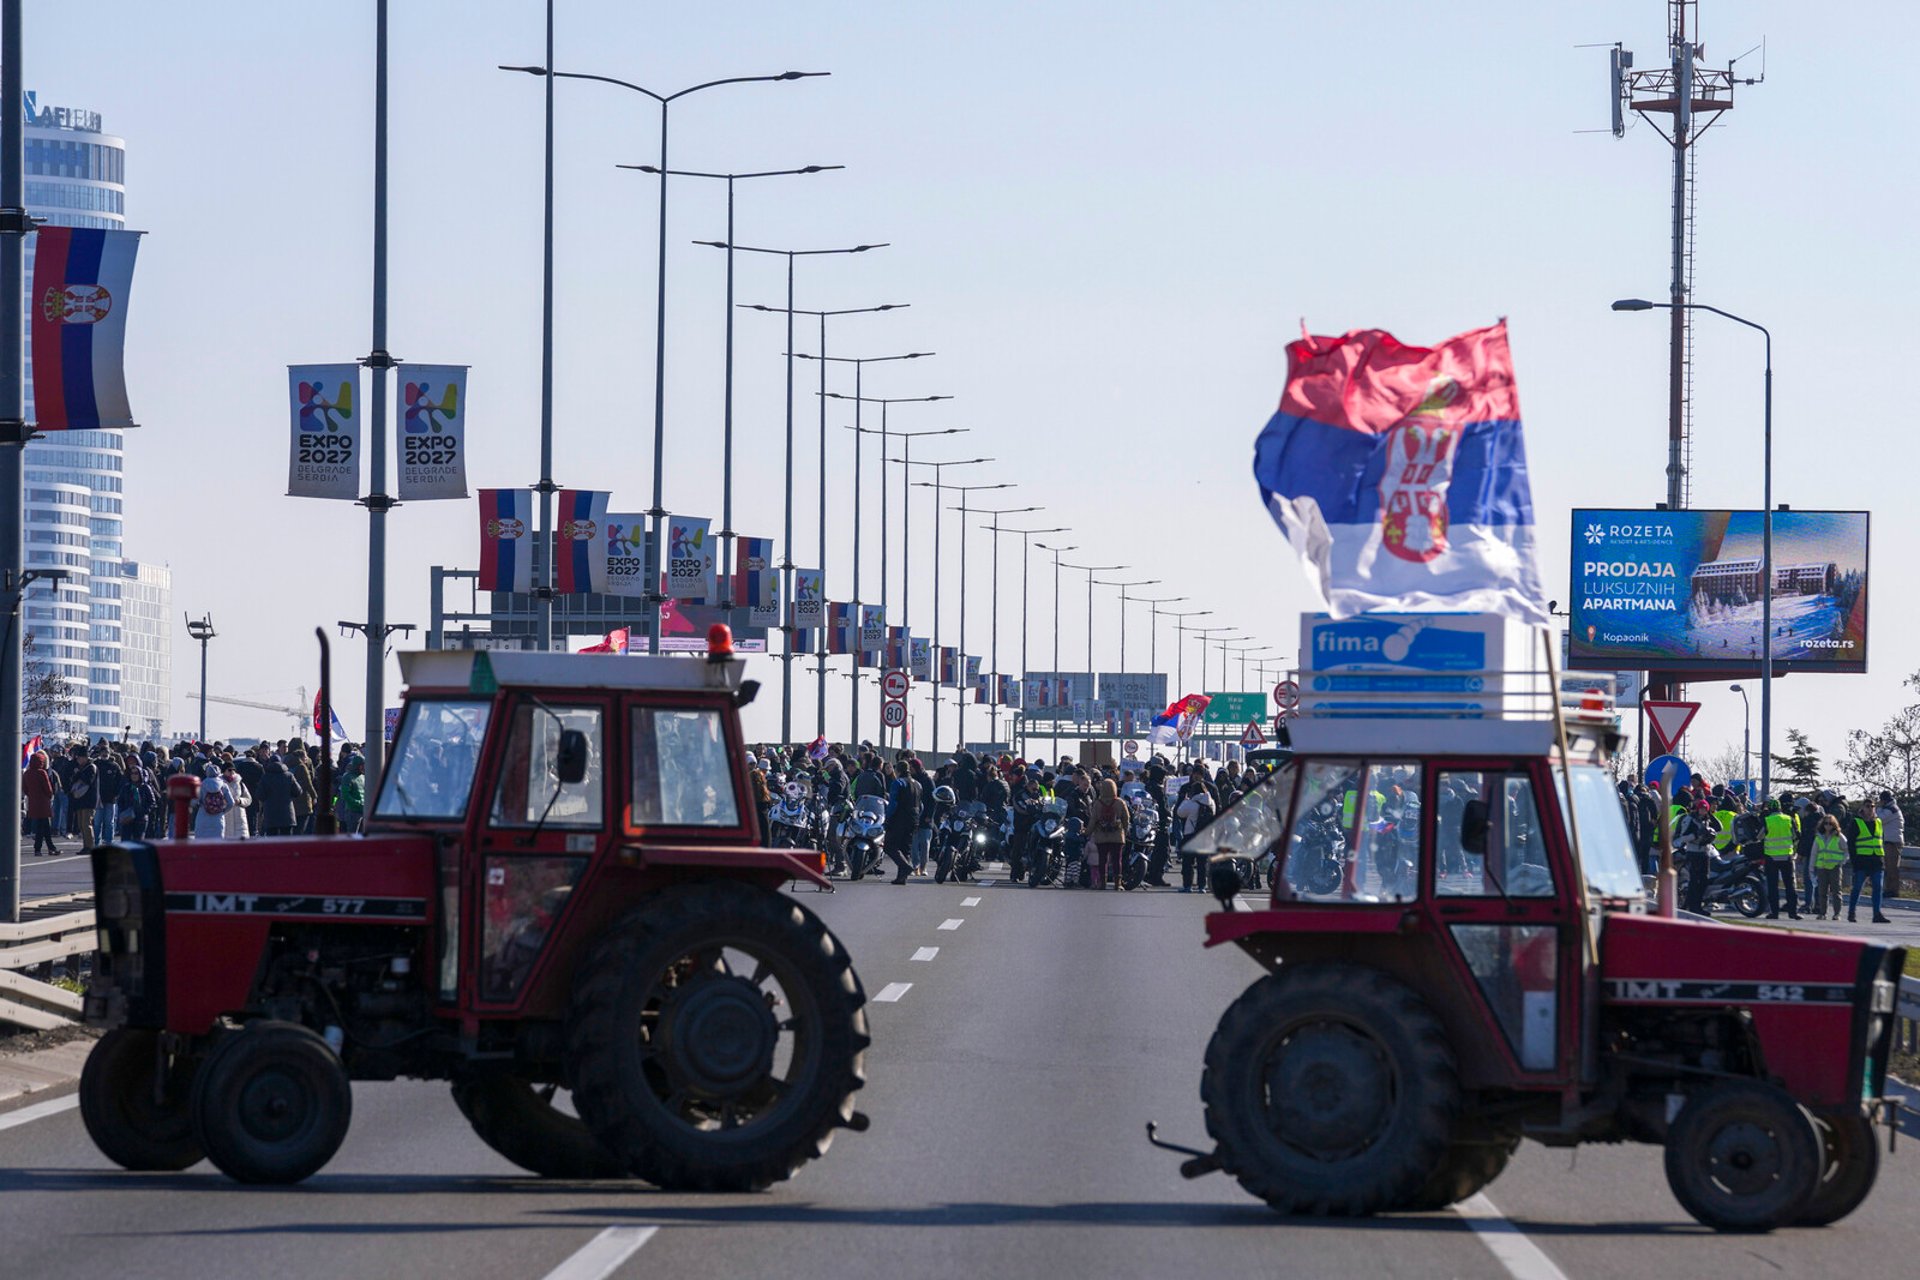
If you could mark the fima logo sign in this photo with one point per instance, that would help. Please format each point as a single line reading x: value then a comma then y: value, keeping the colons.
x: 1375, y: 644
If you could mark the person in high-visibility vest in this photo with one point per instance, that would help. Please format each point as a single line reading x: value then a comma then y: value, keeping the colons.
x: 1724, y: 815
x: 1866, y: 844
x: 1777, y: 846
x: 1829, y: 855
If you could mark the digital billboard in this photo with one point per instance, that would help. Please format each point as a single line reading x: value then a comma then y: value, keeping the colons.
x: 1681, y: 590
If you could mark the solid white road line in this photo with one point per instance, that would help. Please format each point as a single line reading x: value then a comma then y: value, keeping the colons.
x: 27, y: 860
x: 601, y: 1256
x: 39, y: 1111
x: 951, y: 924
x: 1522, y: 1258
x: 926, y: 953
x: 969, y: 902
x: 891, y: 993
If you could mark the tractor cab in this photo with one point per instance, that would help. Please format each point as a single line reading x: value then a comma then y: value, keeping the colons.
x: 561, y: 886
x: 1460, y: 954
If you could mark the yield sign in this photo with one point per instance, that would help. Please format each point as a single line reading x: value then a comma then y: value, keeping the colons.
x: 1252, y: 737
x: 1670, y: 721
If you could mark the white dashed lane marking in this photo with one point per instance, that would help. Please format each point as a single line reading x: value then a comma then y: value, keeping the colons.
x: 969, y: 902
x: 603, y: 1255
x: 926, y: 953
x: 1523, y: 1259
x: 951, y: 924
x: 891, y: 993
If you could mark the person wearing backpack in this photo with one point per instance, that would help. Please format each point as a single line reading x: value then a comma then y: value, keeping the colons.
x: 83, y: 786
x: 210, y: 806
x: 1109, y: 833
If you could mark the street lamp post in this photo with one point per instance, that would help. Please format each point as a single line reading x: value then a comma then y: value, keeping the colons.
x: 1057, y: 551
x: 1766, y: 529
x: 960, y: 650
x: 727, y: 587
x: 1090, y: 570
x: 658, y: 512
x: 201, y: 629
x: 786, y: 540
x: 1026, y: 547
x: 1143, y: 582
x: 1153, y: 625
x: 993, y: 633
x: 906, y: 465
x: 1746, y: 728
x: 1206, y: 634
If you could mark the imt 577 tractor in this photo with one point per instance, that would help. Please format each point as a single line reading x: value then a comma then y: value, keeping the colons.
x: 1459, y: 954
x: 560, y: 888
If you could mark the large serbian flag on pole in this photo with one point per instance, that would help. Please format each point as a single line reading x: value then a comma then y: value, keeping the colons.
x: 506, y: 540
x: 1400, y: 475
x: 77, y: 317
x: 579, y: 541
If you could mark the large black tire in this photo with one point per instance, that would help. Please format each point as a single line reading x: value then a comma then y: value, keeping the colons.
x: 676, y: 1058
x: 1477, y: 1155
x: 117, y: 1105
x: 1742, y: 1156
x: 943, y: 864
x: 1749, y: 900
x: 519, y: 1121
x: 1850, y: 1162
x: 1330, y: 1089
x: 271, y: 1104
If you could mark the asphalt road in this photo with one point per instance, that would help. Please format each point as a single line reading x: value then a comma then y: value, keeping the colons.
x: 1009, y: 1086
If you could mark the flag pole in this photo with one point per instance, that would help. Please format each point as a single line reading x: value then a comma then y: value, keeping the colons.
x: 14, y: 225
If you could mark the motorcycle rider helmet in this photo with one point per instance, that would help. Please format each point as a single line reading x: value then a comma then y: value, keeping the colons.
x: 943, y: 794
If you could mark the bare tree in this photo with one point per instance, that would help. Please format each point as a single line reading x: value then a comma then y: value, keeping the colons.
x: 45, y: 693
x: 1723, y: 765
x: 1890, y: 759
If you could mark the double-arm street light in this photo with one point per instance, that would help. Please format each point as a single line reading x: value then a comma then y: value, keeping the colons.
x: 1206, y: 634
x: 655, y: 596
x: 906, y: 466
x: 822, y: 316
x: 1124, y: 588
x: 1766, y: 527
x: 993, y: 635
x: 1026, y: 547
x: 1090, y: 570
x: 786, y: 540
x: 1153, y: 604
x: 1057, y: 550
x: 727, y: 587
x: 960, y: 649
x: 1180, y: 629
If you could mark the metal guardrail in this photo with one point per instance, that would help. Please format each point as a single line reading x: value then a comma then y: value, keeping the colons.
x: 50, y: 930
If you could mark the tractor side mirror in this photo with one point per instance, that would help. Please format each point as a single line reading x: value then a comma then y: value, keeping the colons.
x: 570, y: 760
x: 1473, y: 827
x: 746, y: 693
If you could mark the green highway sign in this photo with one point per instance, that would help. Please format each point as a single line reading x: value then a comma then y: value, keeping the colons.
x: 1234, y: 708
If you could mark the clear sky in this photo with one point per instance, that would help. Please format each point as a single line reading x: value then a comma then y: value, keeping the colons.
x: 1109, y: 218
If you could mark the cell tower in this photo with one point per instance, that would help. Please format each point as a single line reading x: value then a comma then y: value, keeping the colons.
x: 1681, y: 101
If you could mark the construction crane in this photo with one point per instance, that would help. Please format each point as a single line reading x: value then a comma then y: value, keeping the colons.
x: 302, y: 714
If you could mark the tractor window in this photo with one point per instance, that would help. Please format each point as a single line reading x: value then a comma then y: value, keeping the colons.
x: 681, y: 773
x: 1516, y: 967
x: 1356, y: 833
x: 1316, y: 867
x: 1487, y: 837
x: 1387, y: 836
x: 529, y: 791
x: 524, y: 896
x: 434, y: 756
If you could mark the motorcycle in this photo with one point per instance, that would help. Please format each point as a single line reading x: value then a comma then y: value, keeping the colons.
x: 1045, y: 844
x: 1142, y: 828
x: 953, y: 845
x: 864, y: 835
x: 1731, y: 882
x: 1318, y: 862
x: 992, y: 833
x: 792, y: 817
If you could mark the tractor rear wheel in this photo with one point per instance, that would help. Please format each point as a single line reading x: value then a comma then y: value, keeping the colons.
x: 272, y: 1103
x: 1850, y: 1163
x: 716, y: 1038
x: 1331, y: 1090
x: 518, y: 1120
x: 1743, y: 1156
x: 131, y: 1126
x: 1477, y: 1155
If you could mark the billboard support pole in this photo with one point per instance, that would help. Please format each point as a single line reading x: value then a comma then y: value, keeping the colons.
x: 1766, y: 588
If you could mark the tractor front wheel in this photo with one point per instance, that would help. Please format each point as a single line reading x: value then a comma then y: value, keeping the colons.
x: 1477, y: 1155
x: 1743, y: 1156
x: 272, y: 1103
x: 134, y: 1103
x: 1331, y: 1090
x: 519, y: 1120
x: 1850, y: 1163
x: 716, y: 1038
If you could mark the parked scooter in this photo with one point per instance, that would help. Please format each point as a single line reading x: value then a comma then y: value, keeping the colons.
x: 1046, y: 841
x: 1143, y: 827
x: 1731, y: 882
x: 792, y: 817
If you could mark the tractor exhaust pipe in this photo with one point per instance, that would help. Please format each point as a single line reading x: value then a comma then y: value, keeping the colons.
x: 323, y: 819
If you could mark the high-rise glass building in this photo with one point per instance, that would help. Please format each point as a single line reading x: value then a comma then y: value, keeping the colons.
x: 76, y: 177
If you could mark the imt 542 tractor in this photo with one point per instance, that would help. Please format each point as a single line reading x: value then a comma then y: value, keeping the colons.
x: 1460, y: 954
x: 560, y: 888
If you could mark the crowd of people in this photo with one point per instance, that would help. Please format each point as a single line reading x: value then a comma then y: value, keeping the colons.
x: 916, y: 800
x: 106, y: 790
x: 1800, y: 843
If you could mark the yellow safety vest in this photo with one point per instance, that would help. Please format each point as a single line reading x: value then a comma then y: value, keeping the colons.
x: 1868, y: 845
x: 1829, y: 851
x: 1779, y: 839
x: 1725, y: 818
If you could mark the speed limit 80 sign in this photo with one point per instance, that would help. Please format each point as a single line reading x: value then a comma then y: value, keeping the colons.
x: 893, y: 714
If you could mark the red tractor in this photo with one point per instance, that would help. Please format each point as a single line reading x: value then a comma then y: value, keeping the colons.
x: 1459, y: 954
x: 560, y: 888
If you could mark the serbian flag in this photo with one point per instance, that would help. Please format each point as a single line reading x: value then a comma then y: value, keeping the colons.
x: 1008, y: 694
x: 817, y: 749
x: 613, y: 642
x: 27, y: 749
x: 506, y: 540
x: 898, y: 642
x: 331, y: 721
x: 1175, y: 724
x: 579, y: 547
x: 840, y: 628
x: 1400, y: 474
x: 949, y: 666
x: 77, y: 317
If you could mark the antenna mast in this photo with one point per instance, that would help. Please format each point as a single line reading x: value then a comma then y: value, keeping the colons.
x: 1692, y: 97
